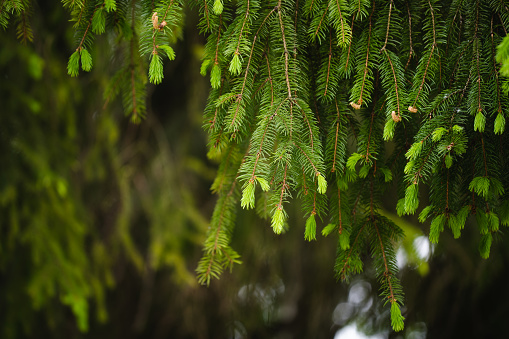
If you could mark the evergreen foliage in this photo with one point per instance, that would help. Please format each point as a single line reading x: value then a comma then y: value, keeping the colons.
x: 329, y: 102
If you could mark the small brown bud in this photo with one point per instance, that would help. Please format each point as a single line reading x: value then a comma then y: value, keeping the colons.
x: 161, y: 26
x: 395, y: 117
x: 354, y: 105
x: 155, y: 20
x: 412, y: 109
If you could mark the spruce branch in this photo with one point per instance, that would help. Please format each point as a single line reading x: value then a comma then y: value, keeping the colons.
x: 365, y: 66
x: 340, y: 24
x: 321, y: 20
x: 240, y: 96
x: 409, y: 36
x: 335, y: 146
x: 285, y: 50
x: 346, y: 261
x: 242, y: 29
x: 328, y: 64
x: 270, y: 80
x: 137, y: 114
x: 24, y: 29
x: 388, y: 25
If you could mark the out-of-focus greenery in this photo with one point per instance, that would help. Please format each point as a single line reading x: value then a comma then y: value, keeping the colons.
x: 82, y: 191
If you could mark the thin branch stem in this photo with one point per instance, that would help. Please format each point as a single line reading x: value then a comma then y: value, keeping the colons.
x: 387, y: 272
x: 366, y: 68
x: 328, y: 63
x: 242, y: 29
x: 409, y: 36
x: 396, y: 89
x: 343, y: 36
x: 285, y: 51
x: 388, y: 25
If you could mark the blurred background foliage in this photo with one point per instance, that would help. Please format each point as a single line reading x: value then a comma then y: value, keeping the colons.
x: 102, y: 221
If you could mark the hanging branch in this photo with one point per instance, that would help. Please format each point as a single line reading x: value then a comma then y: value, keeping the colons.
x: 285, y: 50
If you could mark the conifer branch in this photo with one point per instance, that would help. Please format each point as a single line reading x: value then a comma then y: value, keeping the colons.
x: 133, y: 93
x: 354, y: 245
x: 358, y: 198
x: 337, y: 110
x: 417, y: 174
x: 222, y: 174
x: 259, y: 152
x: 388, y: 25
x: 207, y: 15
x: 307, y: 157
x: 167, y: 9
x: 501, y: 20
x: 433, y: 23
x: 484, y: 156
x: 396, y: 88
x: 132, y: 66
x: 213, y: 122
x: 24, y: 32
x: 304, y: 186
x: 240, y: 96
x: 321, y: 20
x: 413, y: 108
x: 456, y: 65
x: 366, y: 67
x: 335, y: 145
x: 349, y: 47
x: 479, y: 105
x: 409, y: 35
x: 311, y: 5
x: 311, y: 135
x: 473, y: 191
x: 328, y: 63
x: 370, y: 131
x: 291, y: 120
x: 387, y: 273
x: 270, y: 80
x: 424, y: 76
x: 446, y: 210
x: 216, y: 247
x: 451, y: 26
x: 285, y: 50
x: 242, y: 29
x: 80, y: 46
x: 283, y: 188
x: 340, y: 226
x: 216, y: 62
x: 82, y: 10
x: 495, y: 68
x: 343, y: 30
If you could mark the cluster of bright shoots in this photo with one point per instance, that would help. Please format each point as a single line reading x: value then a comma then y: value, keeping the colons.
x: 279, y: 218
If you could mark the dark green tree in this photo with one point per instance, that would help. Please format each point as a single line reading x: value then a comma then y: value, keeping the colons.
x: 330, y: 103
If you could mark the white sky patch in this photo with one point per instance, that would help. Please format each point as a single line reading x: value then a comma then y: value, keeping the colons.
x: 359, y: 292
x: 401, y: 258
x: 422, y: 247
x: 351, y: 332
x: 342, y: 313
